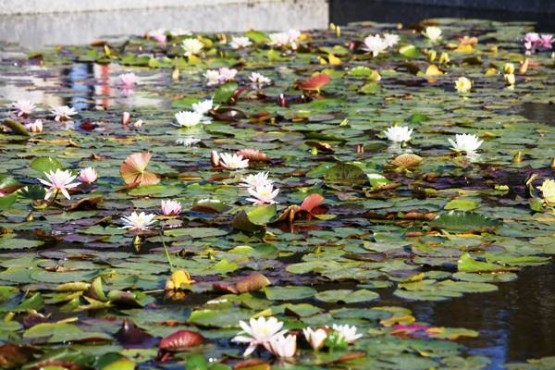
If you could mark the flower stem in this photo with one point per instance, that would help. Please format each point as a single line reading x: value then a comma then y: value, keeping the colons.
x: 166, y: 250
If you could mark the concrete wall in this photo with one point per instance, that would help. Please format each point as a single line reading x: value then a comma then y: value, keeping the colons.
x: 55, y: 6
x: 37, y: 30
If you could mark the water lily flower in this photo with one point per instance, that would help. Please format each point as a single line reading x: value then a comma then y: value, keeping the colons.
x: 258, y: 332
x: 398, y: 134
x: 315, y: 338
x: 390, y: 39
x: 138, y: 221
x: 170, y: 207
x: 349, y: 333
x: 465, y: 143
x: 24, y: 107
x: 279, y: 39
x: 432, y: 33
x: 125, y: 117
x: 88, y: 175
x: 240, y: 42
x: 258, y: 80
x: 548, y: 191
x: 546, y: 42
x: 509, y: 79
x: 192, y: 46
x: 227, y: 74
x: 63, y: 113
x: 188, y: 118
x: 283, y: 346
x: 254, y: 181
x: 212, y: 77
x: 264, y: 194
x: 159, y: 35
x: 204, y: 106
x: 128, y: 80
x: 59, y: 181
x: 284, y: 39
x: 34, y: 127
x: 138, y: 123
x: 232, y: 161
x: 463, y: 85
x: 375, y: 44
x: 509, y: 68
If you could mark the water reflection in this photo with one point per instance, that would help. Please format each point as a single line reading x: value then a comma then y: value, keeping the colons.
x: 515, y: 322
x: 83, y: 86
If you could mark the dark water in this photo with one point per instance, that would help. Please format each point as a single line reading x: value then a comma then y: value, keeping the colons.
x: 345, y: 11
x: 516, y: 323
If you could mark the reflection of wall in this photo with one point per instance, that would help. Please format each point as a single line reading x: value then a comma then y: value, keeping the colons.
x: 33, y: 30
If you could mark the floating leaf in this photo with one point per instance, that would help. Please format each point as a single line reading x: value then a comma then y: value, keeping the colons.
x: 133, y: 170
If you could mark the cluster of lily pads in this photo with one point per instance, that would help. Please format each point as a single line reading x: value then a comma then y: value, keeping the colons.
x: 175, y: 255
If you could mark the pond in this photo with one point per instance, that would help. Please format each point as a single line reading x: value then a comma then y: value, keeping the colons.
x: 369, y: 207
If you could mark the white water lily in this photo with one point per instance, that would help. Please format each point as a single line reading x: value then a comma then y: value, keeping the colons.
x: 465, y: 143
x: 233, y: 161
x: 59, y: 181
x: 204, y: 106
x: 258, y: 80
x: 192, y: 46
x: 463, y: 85
x: 315, y: 338
x: 432, y: 33
x: 258, y: 332
x: 375, y: 44
x: 24, y: 107
x: 188, y: 118
x: 390, y: 39
x: 254, y: 181
x: 212, y: 77
x: 284, y: 39
x: 283, y: 346
x: 240, y: 42
x: 349, y: 333
x: 138, y: 221
x: 548, y: 191
x: 63, y: 113
x: 264, y: 194
x: 34, y: 127
x: 398, y: 134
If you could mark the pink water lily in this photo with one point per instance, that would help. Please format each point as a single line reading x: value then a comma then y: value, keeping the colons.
x: 128, y: 80
x: 23, y: 107
x: 59, y: 181
x: 170, y: 207
x: 88, y: 175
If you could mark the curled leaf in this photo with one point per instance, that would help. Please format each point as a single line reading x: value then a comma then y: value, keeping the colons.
x: 181, y: 340
x: 133, y: 170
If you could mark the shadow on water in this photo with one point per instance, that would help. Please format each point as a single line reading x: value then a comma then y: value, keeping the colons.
x: 345, y: 11
x: 515, y: 323
x: 539, y: 112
